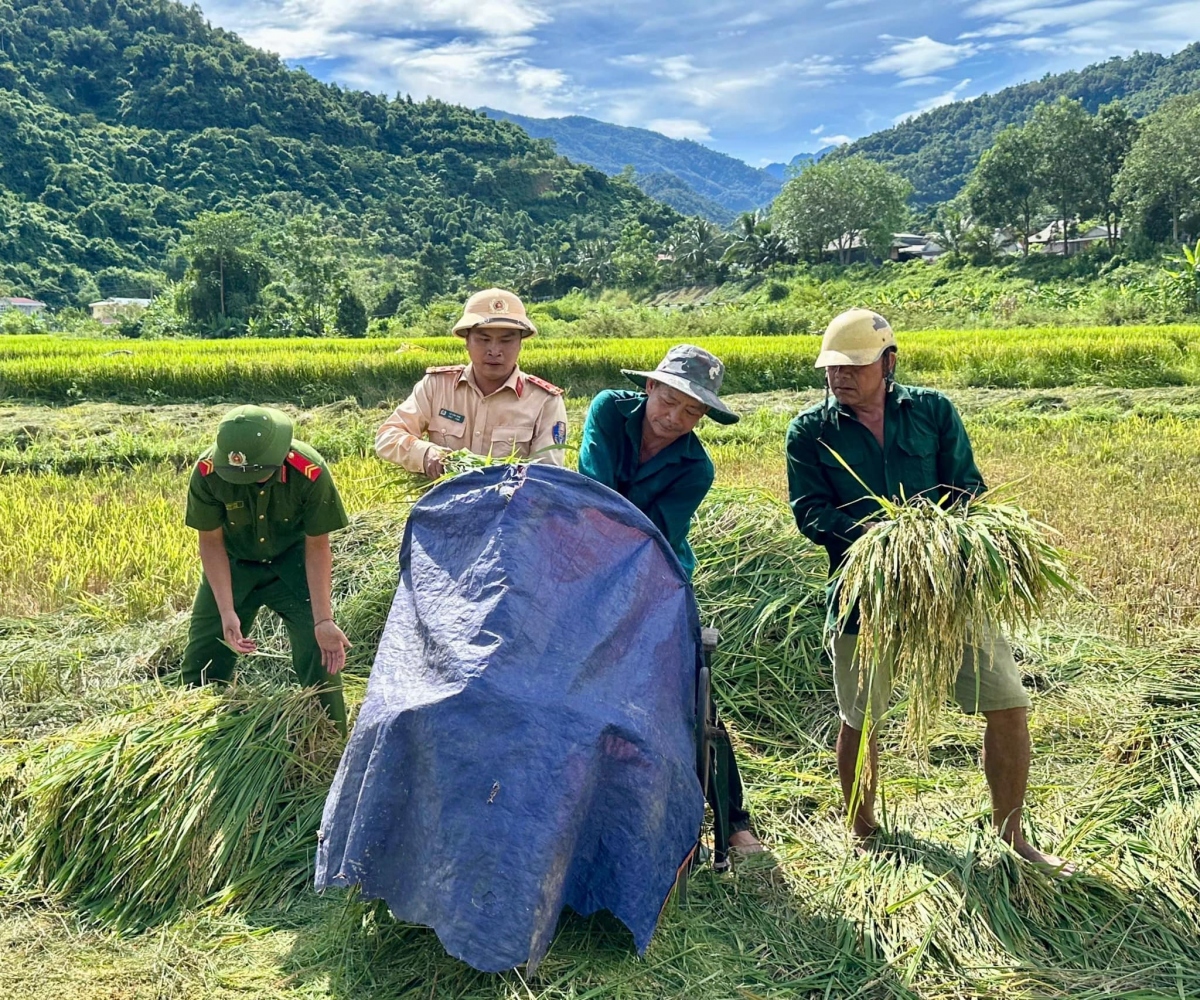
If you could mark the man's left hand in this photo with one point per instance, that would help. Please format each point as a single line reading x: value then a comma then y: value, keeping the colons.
x: 333, y: 643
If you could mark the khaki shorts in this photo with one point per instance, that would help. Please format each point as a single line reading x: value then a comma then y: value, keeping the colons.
x: 999, y: 681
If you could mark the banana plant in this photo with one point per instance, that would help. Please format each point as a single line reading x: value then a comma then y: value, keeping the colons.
x: 1187, y: 278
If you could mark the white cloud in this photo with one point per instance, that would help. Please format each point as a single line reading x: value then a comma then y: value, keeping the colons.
x: 916, y: 57
x: 472, y: 52
x: 951, y: 95
x: 675, y: 68
x: 920, y: 81
x: 680, y: 128
x: 1032, y: 20
x: 843, y: 4
x: 835, y: 140
x: 816, y: 131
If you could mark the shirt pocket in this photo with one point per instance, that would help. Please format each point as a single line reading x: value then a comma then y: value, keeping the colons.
x: 237, y: 515
x: 507, y: 440
x: 447, y: 433
x: 918, y: 453
x: 845, y: 483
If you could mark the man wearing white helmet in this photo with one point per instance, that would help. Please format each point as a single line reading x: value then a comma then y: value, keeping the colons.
x: 490, y: 406
x: 899, y: 441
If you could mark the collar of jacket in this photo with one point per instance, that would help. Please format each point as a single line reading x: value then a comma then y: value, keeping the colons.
x: 897, y: 397
x: 515, y: 381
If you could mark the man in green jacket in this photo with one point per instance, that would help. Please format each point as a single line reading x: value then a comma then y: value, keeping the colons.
x: 264, y: 505
x: 899, y: 441
x: 643, y: 445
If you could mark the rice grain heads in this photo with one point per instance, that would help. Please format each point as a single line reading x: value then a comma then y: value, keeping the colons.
x: 930, y: 578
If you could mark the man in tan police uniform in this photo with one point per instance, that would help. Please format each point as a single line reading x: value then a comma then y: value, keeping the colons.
x: 489, y: 406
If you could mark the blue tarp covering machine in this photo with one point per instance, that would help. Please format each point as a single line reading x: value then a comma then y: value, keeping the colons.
x: 537, y: 731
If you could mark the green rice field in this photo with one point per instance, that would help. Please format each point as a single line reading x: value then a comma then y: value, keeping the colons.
x: 157, y: 843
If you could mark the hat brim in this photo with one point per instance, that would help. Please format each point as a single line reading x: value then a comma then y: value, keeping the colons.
x: 721, y: 413
x: 477, y: 321
x: 851, y: 359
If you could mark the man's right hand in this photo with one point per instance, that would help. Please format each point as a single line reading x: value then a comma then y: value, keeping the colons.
x: 433, y: 463
x: 232, y: 628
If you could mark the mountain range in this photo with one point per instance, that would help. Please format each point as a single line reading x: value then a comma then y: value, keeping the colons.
x: 691, y: 178
x: 121, y: 121
x: 935, y: 151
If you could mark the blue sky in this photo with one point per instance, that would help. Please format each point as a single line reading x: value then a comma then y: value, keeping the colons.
x: 759, y: 80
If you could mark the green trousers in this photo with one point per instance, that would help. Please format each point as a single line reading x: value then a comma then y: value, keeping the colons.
x: 256, y: 585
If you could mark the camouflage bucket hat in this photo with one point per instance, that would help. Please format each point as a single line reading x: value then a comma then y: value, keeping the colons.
x: 695, y: 372
x: 252, y: 442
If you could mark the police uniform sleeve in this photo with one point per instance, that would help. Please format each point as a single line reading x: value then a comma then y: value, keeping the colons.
x: 401, y: 438
x: 323, y: 510
x: 597, y: 450
x: 550, y: 433
x: 956, y: 458
x: 810, y: 495
x: 204, y: 511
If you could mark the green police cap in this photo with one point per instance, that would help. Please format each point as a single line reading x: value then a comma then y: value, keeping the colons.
x: 252, y: 442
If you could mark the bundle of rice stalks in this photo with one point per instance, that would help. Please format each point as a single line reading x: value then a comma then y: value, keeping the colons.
x: 930, y: 579
x: 761, y: 584
x: 203, y: 797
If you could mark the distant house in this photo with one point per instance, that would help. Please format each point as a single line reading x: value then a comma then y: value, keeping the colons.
x: 115, y: 309
x: 913, y: 246
x: 1050, y: 239
x: 27, y: 306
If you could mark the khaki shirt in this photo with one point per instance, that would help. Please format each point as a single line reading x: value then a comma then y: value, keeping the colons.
x: 525, y: 415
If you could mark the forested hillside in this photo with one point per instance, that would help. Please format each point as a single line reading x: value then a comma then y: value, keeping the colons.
x: 937, y: 150
x: 690, y: 177
x: 121, y: 120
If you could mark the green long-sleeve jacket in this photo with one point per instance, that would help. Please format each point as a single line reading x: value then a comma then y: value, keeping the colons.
x: 667, y: 489
x: 925, y: 449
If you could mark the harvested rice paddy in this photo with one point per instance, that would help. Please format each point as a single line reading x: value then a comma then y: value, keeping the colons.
x: 202, y: 892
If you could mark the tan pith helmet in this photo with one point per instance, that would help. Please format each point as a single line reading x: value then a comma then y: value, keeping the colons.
x: 856, y: 337
x: 494, y: 307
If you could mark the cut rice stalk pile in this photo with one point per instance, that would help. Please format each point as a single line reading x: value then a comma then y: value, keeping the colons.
x: 929, y: 580
x: 203, y: 797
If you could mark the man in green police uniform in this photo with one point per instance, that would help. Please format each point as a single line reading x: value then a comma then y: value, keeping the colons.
x: 900, y: 441
x: 264, y: 505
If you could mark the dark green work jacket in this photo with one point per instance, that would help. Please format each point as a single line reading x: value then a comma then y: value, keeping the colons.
x: 667, y: 489
x: 925, y: 450
x: 263, y: 522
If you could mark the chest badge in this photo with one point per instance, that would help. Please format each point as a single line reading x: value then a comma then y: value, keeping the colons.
x: 458, y: 418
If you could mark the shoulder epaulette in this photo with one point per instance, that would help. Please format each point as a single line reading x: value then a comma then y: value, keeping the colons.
x: 205, y: 466
x: 445, y: 368
x: 309, y: 470
x: 541, y: 383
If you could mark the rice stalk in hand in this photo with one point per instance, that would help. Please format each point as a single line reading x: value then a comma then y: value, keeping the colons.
x: 930, y: 578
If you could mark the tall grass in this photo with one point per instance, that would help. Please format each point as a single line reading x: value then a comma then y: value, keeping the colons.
x: 314, y: 371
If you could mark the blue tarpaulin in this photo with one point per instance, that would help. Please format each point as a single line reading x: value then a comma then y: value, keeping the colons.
x: 526, y: 742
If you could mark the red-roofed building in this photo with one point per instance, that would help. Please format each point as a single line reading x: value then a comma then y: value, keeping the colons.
x: 23, y: 305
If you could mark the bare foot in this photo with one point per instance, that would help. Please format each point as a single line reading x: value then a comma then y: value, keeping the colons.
x: 744, y: 842
x: 1049, y: 863
x: 865, y: 827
